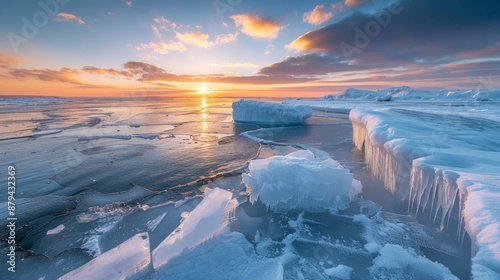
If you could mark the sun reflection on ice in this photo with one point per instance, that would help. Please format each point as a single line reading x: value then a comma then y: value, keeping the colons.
x: 204, y: 123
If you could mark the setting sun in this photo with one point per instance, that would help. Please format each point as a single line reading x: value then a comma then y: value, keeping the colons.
x: 203, y: 89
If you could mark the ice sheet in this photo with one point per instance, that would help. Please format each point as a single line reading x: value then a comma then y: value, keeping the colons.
x: 396, y: 262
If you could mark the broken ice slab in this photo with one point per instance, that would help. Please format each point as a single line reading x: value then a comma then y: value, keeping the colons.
x: 127, y: 259
x: 205, y: 221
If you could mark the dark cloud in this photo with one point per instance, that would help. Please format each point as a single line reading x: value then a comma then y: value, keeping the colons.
x: 413, y: 35
x: 309, y: 64
x: 149, y: 73
x: 427, y: 29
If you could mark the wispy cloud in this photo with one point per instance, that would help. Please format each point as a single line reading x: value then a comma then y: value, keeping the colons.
x: 201, y: 40
x: 338, y: 6
x: 256, y: 26
x: 68, y: 17
x: 165, y: 24
x: 318, y: 15
x: 162, y: 47
x: 162, y: 26
x: 128, y: 3
x: 7, y: 61
x: 65, y: 75
x: 236, y: 65
x: 100, y: 71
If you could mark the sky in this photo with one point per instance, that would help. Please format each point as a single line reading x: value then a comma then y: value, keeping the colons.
x: 281, y: 48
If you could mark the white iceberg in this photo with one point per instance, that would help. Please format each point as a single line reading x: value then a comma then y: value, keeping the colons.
x: 209, y: 218
x: 270, y: 114
x: 299, y: 180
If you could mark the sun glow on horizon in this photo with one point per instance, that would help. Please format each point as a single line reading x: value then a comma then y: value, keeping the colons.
x: 203, y: 89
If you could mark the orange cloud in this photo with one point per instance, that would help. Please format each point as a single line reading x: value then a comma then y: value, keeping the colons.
x: 194, y: 38
x: 318, y: 15
x: 352, y: 3
x: 68, y: 17
x: 6, y: 61
x: 303, y: 43
x: 256, y: 26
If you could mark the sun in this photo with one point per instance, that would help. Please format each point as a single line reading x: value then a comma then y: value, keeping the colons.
x: 203, y: 89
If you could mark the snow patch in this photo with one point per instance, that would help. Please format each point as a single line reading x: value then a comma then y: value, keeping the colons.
x: 56, y: 230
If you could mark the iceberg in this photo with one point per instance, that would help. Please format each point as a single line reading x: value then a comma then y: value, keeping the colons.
x: 121, y: 262
x: 270, y: 114
x: 301, y: 181
x: 208, y: 219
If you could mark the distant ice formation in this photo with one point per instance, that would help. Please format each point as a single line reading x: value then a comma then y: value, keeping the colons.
x: 407, y: 93
x: 270, y: 114
x: 301, y: 181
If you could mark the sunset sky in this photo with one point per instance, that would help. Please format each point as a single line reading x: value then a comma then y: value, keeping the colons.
x: 245, y: 47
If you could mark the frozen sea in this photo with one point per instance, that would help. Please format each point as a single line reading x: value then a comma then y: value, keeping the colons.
x: 153, y: 189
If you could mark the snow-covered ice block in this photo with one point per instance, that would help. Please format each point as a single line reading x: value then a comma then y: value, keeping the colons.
x: 208, y: 219
x: 299, y: 180
x: 270, y: 114
x: 438, y: 162
x: 121, y: 262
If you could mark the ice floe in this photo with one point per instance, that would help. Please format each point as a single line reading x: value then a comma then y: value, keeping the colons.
x: 270, y: 114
